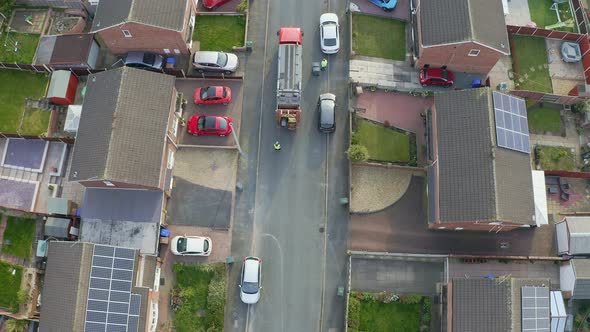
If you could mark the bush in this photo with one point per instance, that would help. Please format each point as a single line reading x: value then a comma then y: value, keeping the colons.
x: 410, y: 299
x: 13, y: 325
x: 369, y: 297
x: 355, y: 139
x: 357, y: 152
x: 242, y: 7
x: 354, y: 313
x: 385, y: 297
x: 22, y: 297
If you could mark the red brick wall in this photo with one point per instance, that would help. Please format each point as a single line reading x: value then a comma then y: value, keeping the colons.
x: 143, y: 38
x: 456, y: 57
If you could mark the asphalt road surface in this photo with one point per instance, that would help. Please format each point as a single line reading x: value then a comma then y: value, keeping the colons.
x: 288, y: 212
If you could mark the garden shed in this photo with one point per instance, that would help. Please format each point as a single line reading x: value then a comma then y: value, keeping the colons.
x: 62, y: 87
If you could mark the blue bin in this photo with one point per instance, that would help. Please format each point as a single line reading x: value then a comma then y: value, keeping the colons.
x: 476, y: 83
x: 164, y: 232
x: 171, y: 61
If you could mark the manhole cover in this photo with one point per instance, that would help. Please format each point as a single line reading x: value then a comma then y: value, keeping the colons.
x: 322, y: 229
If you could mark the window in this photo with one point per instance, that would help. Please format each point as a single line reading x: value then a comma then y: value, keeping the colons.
x: 177, y: 51
x: 170, y: 159
x: 108, y: 183
x: 167, y: 50
x: 127, y: 33
x: 473, y: 52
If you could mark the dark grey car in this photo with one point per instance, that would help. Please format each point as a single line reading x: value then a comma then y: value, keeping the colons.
x: 144, y: 60
x: 326, y: 113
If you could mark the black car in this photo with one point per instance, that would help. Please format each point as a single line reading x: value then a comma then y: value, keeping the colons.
x: 144, y: 60
x: 326, y: 113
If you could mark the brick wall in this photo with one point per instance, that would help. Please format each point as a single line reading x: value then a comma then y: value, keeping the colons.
x: 456, y: 57
x: 143, y: 38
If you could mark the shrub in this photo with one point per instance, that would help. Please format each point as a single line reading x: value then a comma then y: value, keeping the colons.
x: 13, y: 325
x: 355, y: 139
x: 216, y: 301
x: 22, y: 297
x: 385, y: 297
x: 354, y: 313
x: 369, y: 297
x: 242, y: 7
x: 410, y: 299
x: 357, y: 152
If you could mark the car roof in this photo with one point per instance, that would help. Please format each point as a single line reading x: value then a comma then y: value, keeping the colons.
x: 329, y: 30
x: 206, y: 56
x: 251, y: 265
x: 194, y: 244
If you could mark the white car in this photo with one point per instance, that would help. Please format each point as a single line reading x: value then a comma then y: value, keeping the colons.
x: 208, y: 61
x: 191, y: 246
x: 329, y: 34
x: 250, y: 284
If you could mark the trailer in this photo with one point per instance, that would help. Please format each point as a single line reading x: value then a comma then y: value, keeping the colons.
x: 290, y: 57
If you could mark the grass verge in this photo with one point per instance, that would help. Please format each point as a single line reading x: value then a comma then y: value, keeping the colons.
x: 533, y: 71
x: 198, y: 299
x: 23, y: 84
x: 20, y: 232
x: 10, y: 285
x: 219, y: 33
x: 378, y: 37
x: 553, y: 158
x: 382, y: 143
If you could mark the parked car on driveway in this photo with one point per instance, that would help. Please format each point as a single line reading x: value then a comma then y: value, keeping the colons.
x: 386, y: 5
x: 213, y: 4
x: 211, y: 95
x: 144, y: 60
x: 326, y: 113
x: 209, y: 125
x: 215, y: 62
x: 436, y: 77
x: 250, y: 280
x: 191, y: 246
x: 329, y: 33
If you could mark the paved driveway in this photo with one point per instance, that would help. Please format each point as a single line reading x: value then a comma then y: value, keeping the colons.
x: 204, y: 182
x: 233, y: 110
x: 401, y: 11
x: 396, y: 275
x: 402, y: 228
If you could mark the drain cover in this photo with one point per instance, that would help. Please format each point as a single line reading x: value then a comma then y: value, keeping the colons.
x: 322, y: 229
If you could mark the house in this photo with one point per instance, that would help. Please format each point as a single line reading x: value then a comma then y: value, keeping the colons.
x: 480, y: 175
x: 91, y: 287
x: 68, y: 51
x: 127, y: 218
x: 164, y: 27
x: 574, y: 278
x: 128, y: 131
x: 464, y: 35
x: 504, y: 304
x: 573, y: 236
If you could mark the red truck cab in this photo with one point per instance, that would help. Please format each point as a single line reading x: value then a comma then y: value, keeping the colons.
x: 290, y: 35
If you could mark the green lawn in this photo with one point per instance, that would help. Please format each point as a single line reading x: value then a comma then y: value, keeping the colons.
x: 378, y: 37
x: 201, y: 291
x: 23, y: 53
x: 23, y: 84
x: 20, y: 232
x: 382, y: 143
x: 10, y: 285
x: 219, y: 33
x: 543, y: 16
x: 531, y: 56
x: 552, y: 158
x: 543, y: 119
x: 390, y: 317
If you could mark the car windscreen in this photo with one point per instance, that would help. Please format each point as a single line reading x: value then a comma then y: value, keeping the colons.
x: 205, y: 246
x: 445, y: 74
x: 181, y: 245
x: 222, y: 59
x: 250, y: 287
x: 224, y: 92
x: 330, y: 41
x: 207, y: 92
x: 222, y: 123
x: 149, y: 58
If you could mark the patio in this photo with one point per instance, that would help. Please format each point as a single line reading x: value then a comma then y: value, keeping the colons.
x: 578, y: 199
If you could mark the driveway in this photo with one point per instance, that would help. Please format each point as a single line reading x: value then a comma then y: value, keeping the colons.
x: 398, y: 275
x: 228, y: 7
x: 401, y: 11
x: 402, y: 228
x: 234, y: 110
x: 204, y: 186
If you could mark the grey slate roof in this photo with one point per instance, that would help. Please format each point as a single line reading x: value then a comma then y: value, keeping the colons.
x: 122, y: 130
x: 455, y: 21
x: 481, y: 305
x: 478, y: 181
x: 65, y: 287
x: 167, y: 14
x: 122, y: 217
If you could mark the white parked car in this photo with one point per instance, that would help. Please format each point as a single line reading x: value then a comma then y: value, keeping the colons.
x: 204, y: 61
x: 329, y: 34
x: 250, y: 284
x: 191, y: 246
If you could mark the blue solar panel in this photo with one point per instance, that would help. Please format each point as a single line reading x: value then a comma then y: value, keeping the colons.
x: 512, y: 130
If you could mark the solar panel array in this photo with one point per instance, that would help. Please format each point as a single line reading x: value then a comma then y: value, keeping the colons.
x: 512, y: 129
x: 535, y: 309
x: 111, y: 306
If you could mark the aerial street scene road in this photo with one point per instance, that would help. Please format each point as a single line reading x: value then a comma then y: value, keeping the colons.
x: 295, y: 166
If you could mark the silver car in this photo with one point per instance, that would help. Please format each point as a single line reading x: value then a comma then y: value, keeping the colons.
x: 329, y: 33
x: 326, y: 113
x: 215, y: 62
x: 250, y: 280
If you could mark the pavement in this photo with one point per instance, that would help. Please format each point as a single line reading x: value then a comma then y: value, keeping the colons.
x: 289, y: 201
x: 233, y: 110
x: 400, y: 276
x: 402, y: 228
x: 518, y: 13
x: 204, y: 187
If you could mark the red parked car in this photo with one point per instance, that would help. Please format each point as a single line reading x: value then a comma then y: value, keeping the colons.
x: 209, y: 125
x: 211, y: 95
x: 213, y: 4
x: 436, y: 77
